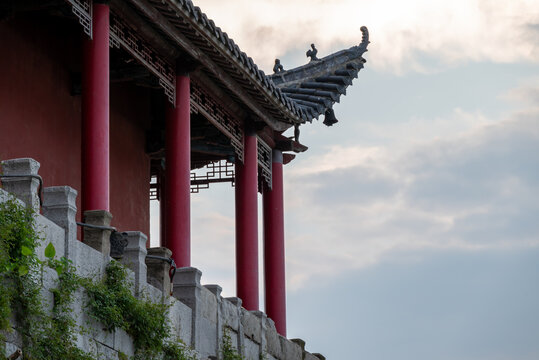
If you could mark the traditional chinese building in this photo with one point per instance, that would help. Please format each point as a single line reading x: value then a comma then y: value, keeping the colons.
x: 123, y: 99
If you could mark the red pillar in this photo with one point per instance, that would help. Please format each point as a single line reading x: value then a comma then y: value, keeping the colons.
x: 274, y: 259
x: 177, y: 174
x: 247, y: 225
x: 95, y: 114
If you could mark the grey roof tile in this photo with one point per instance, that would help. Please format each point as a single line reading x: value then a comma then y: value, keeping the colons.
x: 337, y: 72
x: 322, y: 82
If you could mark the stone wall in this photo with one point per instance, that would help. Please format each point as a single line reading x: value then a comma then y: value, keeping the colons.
x: 198, y: 314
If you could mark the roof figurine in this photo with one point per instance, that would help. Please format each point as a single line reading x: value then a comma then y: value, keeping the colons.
x: 312, y: 53
x: 277, y: 67
x: 316, y: 86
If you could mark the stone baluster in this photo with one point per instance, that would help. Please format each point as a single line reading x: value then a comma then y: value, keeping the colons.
x: 187, y: 289
x: 159, y: 270
x: 237, y: 303
x: 134, y: 257
x: 216, y: 290
x: 98, y: 238
x: 60, y: 206
x: 24, y: 188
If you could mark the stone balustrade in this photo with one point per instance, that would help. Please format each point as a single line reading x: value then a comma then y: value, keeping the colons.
x: 198, y: 314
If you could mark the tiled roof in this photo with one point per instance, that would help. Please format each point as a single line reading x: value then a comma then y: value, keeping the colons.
x: 268, y: 94
x: 316, y: 86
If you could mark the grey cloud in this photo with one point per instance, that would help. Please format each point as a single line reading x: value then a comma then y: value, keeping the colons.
x: 355, y: 185
x: 478, y: 190
x: 477, y: 170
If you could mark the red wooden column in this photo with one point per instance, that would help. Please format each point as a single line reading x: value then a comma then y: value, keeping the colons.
x: 247, y: 224
x: 177, y: 175
x: 274, y: 259
x: 95, y: 114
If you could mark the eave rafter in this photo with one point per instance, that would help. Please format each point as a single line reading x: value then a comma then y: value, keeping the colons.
x: 162, y: 23
x: 230, y: 57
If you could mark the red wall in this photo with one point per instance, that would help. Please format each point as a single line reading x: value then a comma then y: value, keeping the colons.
x: 129, y: 164
x: 39, y: 118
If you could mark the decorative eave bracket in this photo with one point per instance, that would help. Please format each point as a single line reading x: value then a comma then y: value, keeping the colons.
x: 83, y: 11
x: 121, y: 35
x: 264, y: 161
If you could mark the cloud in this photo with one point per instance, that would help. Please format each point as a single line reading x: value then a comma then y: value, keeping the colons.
x: 472, y: 191
x: 213, y: 248
x: 447, y: 305
x: 526, y: 93
x: 406, y: 36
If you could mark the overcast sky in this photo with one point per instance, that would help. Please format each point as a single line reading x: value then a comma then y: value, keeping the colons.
x: 412, y: 225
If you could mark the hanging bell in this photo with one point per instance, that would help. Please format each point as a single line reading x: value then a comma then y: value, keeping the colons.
x: 329, y: 117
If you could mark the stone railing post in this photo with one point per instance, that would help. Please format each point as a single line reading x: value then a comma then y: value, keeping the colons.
x: 158, y: 269
x: 135, y: 257
x: 301, y: 344
x: 97, y: 238
x: 24, y: 188
x: 273, y: 340
x: 291, y: 349
x: 237, y: 303
x: 187, y: 289
x: 216, y: 290
x: 263, y: 341
x: 60, y: 206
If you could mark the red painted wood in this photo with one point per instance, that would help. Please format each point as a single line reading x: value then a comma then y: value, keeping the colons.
x: 178, y: 182
x: 43, y: 52
x: 129, y: 163
x: 247, y: 225
x: 95, y: 115
x: 274, y: 250
x: 47, y: 130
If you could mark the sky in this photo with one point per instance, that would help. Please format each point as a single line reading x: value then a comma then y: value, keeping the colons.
x: 412, y: 225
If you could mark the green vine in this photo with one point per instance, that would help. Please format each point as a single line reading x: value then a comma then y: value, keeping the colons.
x: 44, y: 337
x: 52, y: 335
x: 177, y: 350
x: 18, y: 265
x: 227, y: 349
x: 112, y: 303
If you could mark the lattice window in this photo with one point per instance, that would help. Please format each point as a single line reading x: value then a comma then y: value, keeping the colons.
x: 221, y: 118
x: 155, y: 188
x: 122, y: 35
x: 264, y: 161
x: 214, y: 172
x: 83, y: 11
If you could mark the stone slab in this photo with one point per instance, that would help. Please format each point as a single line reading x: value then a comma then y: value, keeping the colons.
x: 252, y: 326
x: 251, y: 349
x: 291, y: 350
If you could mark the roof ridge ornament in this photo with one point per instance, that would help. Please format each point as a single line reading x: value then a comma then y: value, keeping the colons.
x: 277, y: 68
x: 312, y: 53
x: 364, y: 38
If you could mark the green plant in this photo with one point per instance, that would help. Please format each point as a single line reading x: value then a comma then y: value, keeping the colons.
x: 51, y: 336
x: 227, y: 350
x: 45, y: 337
x: 177, y: 350
x: 111, y: 303
x: 18, y: 266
